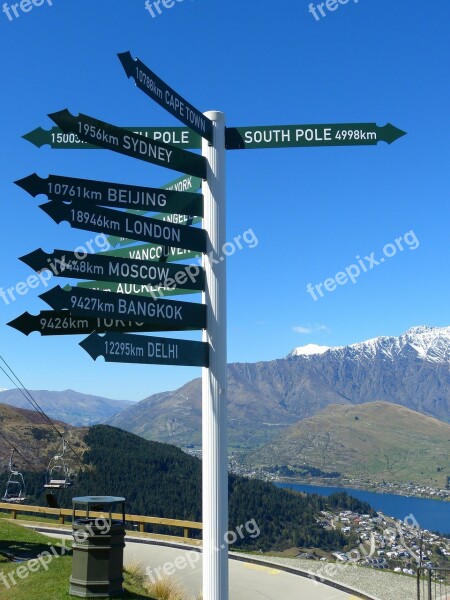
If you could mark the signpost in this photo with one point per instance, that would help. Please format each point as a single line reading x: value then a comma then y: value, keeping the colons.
x: 51, y: 322
x: 58, y: 140
x: 122, y: 270
x: 165, y: 96
x: 146, y: 350
x: 120, y: 302
x: 117, y: 195
x: 288, y: 136
x: 138, y: 228
x: 137, y: 146
x: 182, y: 316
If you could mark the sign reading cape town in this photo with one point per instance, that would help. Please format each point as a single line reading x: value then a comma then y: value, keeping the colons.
x: 144, y: 349
x: 122, y: 141
x: 105, y: 220
x: 90, y: 303
x: 122, y: 270
x: 118, y: 195
x: 165, y: 96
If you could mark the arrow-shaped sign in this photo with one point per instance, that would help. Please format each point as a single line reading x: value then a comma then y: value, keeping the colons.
x: 119, y: 195
x: 105, y: 220
x: 146, y: 350
x: 134, y: 289
x: 178, y: 315
x: 137, y: 146
x: 165, y: 96
x: 285, y: 136
x: 155, y: 252
x: 175, y: 136
x: 64, y: 263
x: 50, y: 322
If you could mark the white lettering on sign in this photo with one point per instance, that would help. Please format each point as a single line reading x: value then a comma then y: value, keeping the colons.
x: 162, y: 350
x: 147, y: 309
x: 146, y: 148
x: 133, y: 197
x: 167, y: 233
x: 138, y: 271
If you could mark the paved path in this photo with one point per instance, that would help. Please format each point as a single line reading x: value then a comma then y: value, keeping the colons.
x: 247, y: 581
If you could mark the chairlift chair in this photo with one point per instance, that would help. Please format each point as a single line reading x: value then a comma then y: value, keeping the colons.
x: 15, y: 486
x: 58, y: 474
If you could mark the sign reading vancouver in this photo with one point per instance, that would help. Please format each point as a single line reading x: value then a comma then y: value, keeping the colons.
x: 122, y: 141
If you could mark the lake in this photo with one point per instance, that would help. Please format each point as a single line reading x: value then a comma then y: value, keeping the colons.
x: 430, y: 514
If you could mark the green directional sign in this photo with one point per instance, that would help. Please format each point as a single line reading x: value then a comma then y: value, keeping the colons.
x: 118, y: 195
x: 64, y: 263
x: 165, y: 96
x: 137, y: 146
x: 51, y: 322
x: 155, y: 252
x: 58, y: 140
x: 146, y: 350
x: 159, y: 311
x: 285, y: 136
x: 135, y: 289
x: 108, y: 221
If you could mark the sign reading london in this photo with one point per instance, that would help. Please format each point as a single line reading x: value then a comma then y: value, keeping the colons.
x: 285, y: 136
x: 139, y: 228
x: 165, y: 96
x: 51, y: 322
x: 122, y: 141
x: 147, y: 350
x: 119, y: 195
x: 122, y: 270
x: 90, y: 303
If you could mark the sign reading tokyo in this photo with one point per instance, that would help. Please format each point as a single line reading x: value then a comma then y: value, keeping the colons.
x: 165, y: 96
x: 146, y: 350
x: 119, y: 195
x: 182, y: 316
x: 51, y: 322
x: 285, y: 136
x: 138, y: 228
x: 137, y: 146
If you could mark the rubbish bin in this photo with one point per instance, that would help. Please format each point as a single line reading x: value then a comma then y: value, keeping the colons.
x: 97, y: 564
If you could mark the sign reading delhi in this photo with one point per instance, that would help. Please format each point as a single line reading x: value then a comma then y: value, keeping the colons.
x: 51, y: 322
x: 137, y: 146
x: 118, y: 195
x: 138, y: 228
x: 64, y: 263
x: 147, y: 350
x: 165, y: 96
x: 160, y: 311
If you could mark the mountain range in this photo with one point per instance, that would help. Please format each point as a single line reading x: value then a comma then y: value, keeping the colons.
x: 265, y: 398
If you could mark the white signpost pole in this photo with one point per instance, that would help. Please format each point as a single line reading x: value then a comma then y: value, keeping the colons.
x: 214, y: 386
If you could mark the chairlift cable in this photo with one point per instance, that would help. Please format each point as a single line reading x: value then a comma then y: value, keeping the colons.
x: 19, y: 453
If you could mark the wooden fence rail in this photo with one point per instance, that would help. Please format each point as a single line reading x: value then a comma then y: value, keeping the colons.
x: 140, y: 520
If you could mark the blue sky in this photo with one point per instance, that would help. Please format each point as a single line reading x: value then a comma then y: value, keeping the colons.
x: 313, y: 210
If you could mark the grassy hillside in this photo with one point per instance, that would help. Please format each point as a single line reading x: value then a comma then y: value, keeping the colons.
x: 34, y: 438
x: 377, y: 441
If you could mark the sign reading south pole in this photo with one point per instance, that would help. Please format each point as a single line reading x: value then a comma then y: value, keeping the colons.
x: 146, y: 350
x: 105, y: 220
x: 165, y: 96
x: 131, y: 144
x: 291, y: 136
x: 182, y: 316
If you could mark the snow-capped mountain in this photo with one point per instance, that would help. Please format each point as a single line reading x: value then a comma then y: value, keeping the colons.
x: 412, y: 370
x: 427, y: 343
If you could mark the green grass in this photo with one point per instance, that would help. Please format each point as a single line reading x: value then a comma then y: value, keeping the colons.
x: 51, y: 584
